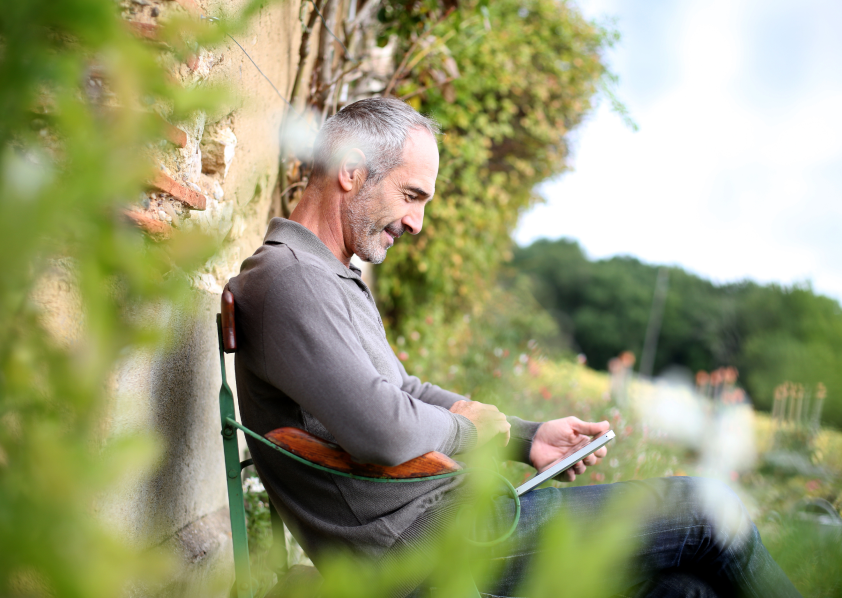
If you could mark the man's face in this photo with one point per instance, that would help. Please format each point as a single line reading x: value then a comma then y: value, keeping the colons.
x: 379, y: 214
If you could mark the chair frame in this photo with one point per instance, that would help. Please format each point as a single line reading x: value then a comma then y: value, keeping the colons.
x: 233, y: 474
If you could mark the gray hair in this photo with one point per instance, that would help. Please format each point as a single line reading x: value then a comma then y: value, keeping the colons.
x: 377, y: 126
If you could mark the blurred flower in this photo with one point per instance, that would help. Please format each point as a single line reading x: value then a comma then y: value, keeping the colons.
x: 821, y: 391
x: 597, y: 477
x: 812, y: 485
x: 627, y: 359
x: 254, y: 485
x: 545, y: 392
x: 403, y: 355
x: 730, y: 375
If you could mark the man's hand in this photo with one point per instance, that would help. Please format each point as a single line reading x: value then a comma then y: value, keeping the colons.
x: 557, y: 438
x: 487, y: 419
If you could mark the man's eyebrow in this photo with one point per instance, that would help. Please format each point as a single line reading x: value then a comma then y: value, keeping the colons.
x: 417, y: 191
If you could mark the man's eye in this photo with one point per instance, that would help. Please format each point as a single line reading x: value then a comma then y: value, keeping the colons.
x: 411, y: 197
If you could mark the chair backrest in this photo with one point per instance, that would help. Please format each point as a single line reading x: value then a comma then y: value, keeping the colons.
x: 229, y: 330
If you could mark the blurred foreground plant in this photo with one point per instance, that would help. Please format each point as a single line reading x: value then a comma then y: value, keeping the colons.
x: 76, y: 280
x: 451, y: 563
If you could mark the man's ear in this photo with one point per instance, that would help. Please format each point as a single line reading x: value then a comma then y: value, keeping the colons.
x: 352, y: 170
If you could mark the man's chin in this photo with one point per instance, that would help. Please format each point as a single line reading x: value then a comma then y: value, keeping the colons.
x: 373, y: 257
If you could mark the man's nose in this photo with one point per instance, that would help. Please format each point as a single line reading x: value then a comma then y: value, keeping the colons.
x: 414, y: 219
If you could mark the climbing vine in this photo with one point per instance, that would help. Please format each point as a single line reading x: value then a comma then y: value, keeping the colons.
x: 508, y: 81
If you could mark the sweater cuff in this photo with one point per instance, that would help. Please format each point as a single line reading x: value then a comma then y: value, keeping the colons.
x: 466, y: 434
x: 520, y: 443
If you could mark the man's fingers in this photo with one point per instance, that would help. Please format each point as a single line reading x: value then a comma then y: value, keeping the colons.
x: 579, y: 468
x: 487, y: 419
x: 589, y: 428
x: 507, y: 438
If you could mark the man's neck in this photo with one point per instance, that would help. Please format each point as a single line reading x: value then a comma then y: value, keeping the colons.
x: 321, y: 216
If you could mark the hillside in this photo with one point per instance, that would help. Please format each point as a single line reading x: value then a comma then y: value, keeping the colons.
x: 770, y: 333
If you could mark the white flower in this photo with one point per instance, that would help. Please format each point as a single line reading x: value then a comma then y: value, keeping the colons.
x: 253, y: 485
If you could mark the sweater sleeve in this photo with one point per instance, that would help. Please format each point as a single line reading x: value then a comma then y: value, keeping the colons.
x: 520, y: 443
x: 424, y: 391
x: 311, y: 353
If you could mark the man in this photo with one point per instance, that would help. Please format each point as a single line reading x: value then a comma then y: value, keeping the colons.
x: 313, y: 354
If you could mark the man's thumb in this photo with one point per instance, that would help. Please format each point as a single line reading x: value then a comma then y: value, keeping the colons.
x: 591, y: 428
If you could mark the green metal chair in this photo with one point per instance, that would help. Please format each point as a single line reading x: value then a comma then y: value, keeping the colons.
x: 243, y: 585
x: 302, y: 447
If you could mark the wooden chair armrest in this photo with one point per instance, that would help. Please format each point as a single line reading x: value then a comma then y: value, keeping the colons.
x: 327, y: 454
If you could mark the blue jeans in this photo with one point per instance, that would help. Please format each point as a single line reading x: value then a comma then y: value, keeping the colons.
x: 687, y: 545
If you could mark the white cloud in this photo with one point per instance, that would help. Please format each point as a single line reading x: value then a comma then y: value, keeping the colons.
x: 713, y: 181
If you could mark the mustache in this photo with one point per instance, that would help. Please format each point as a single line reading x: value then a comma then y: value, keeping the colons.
x: 396, y: 230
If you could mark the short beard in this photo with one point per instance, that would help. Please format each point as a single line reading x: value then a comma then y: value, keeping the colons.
x: 366, y: 241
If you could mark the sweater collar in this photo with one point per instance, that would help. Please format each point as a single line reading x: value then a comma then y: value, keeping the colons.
x: 302, y: 238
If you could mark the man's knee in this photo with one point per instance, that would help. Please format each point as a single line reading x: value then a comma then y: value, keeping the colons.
x: 714, y: 505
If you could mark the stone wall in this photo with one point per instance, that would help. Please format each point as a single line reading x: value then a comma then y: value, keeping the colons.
x: 230, y: 159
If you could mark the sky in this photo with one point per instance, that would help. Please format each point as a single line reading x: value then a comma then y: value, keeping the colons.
x: 736, y: 169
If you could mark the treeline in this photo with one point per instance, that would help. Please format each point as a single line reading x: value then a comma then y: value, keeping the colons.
x: 770, y: 333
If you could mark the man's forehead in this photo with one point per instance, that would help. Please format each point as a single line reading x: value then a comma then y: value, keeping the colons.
x: 421, y: 138
x: 420, y: 163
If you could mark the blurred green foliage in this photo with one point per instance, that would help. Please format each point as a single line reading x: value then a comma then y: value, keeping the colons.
x: 508, y: 81
x: 76, y: 279
x: 769, y: 332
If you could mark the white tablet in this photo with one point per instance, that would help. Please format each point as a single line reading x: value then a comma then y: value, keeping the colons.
x: 562, y: 465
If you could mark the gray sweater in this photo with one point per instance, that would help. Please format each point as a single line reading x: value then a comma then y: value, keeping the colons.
x: 313, y: 354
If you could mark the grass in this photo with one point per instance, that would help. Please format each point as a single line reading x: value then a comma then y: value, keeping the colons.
x: 809, y: 553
